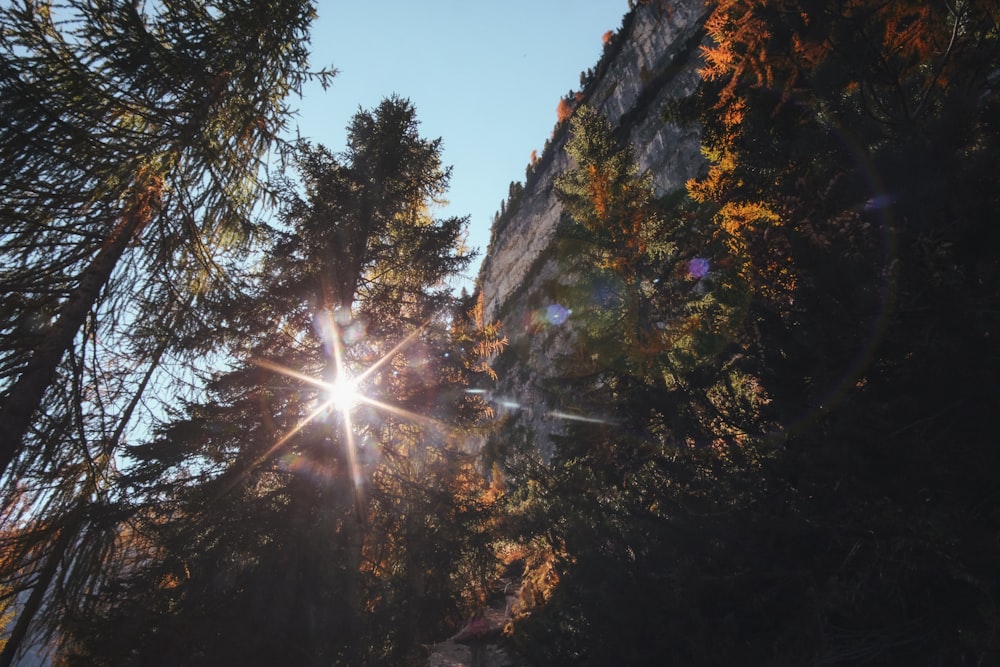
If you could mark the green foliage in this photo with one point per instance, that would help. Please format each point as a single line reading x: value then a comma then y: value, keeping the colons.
x: 132, y: 147
x: 268, y: 527
x: 781, y: 440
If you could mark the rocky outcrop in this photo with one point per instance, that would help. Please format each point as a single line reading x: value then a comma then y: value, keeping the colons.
x: 654, y: 69
x: 641, y: 86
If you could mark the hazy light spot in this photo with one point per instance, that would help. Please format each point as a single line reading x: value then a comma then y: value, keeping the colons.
x: 879, y: 202
x: 698, y: 268
x: 552, y: 315
x: 557, y: 314
x: 353, y: 332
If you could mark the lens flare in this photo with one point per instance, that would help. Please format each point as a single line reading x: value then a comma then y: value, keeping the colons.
x: 698, y: 268
x: 343, y: 393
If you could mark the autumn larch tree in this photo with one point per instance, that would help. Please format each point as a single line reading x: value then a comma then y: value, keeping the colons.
x: 850, y: 141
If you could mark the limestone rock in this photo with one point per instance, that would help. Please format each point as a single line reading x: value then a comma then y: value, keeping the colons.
x: 651, y: 73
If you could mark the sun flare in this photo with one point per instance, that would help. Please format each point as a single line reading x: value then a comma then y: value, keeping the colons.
x: 343, y: 393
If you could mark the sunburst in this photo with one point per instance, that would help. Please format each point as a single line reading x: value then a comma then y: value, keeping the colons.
x: 342, y: 394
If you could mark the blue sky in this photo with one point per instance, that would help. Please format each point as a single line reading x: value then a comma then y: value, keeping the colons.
x: 485, y: 77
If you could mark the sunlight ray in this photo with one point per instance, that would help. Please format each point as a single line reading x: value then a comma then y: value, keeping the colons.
x: 298, y: 427
x: 579, y: 418
x: 402, y: 412
x: 342, y: 402
x: 344, y: 409
x: 242, y: 474
x: 387, y: 357
x: 284, y: 370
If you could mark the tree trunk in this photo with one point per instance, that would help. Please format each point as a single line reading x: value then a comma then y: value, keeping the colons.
x: 25, y: 396
x: 415, y: 587
x: 354, y: 528
x: 45, y: 577
x: 72, y: 524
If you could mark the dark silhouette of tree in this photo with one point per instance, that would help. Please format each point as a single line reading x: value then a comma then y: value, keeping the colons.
x: 271, y: 507
x: 844, y: 137
x: 132, y: 137
x: 132, y: 146
x: 787, y: 464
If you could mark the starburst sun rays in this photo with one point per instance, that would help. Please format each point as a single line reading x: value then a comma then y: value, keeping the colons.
x: 344, y: 393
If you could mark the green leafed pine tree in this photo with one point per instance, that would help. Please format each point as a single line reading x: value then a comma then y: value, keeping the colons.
x: 280, y: 524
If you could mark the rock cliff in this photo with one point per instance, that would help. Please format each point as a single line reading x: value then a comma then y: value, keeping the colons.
x: 648, y: 70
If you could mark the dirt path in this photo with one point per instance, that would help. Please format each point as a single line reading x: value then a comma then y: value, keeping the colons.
x: 449, y: 653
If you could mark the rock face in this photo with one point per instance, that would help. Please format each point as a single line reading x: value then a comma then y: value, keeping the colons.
x: 655, y: 67
x: 651, y: 68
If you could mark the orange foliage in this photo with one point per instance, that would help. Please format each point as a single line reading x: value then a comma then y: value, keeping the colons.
x: 489, y: 342
x: 906, y: 35
x: 623, y: 223
x: 722, y: 163
x: 737, y: 51
x: 606, y: 37
x: 910, y: 40
x: 541, y: 577
x: 599, y: 190
x: 564, y: 110
x: 144, y: 203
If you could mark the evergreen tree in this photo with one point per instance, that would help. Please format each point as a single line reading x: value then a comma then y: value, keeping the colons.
x: 132, y: 145
x: 281, y: 524
x: 658, y: 413
x: 134, y: 136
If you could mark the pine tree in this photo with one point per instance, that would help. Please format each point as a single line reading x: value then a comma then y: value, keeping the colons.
x: 133, y: 138
x: 658, y: 414
x: 271, y: 506
x: 132, y: 146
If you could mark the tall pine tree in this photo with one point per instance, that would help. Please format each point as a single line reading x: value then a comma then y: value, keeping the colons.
x: 279, y: 522
x: 134, y: 136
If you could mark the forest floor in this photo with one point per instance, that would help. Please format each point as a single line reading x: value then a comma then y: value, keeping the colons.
x: 449, y: 653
